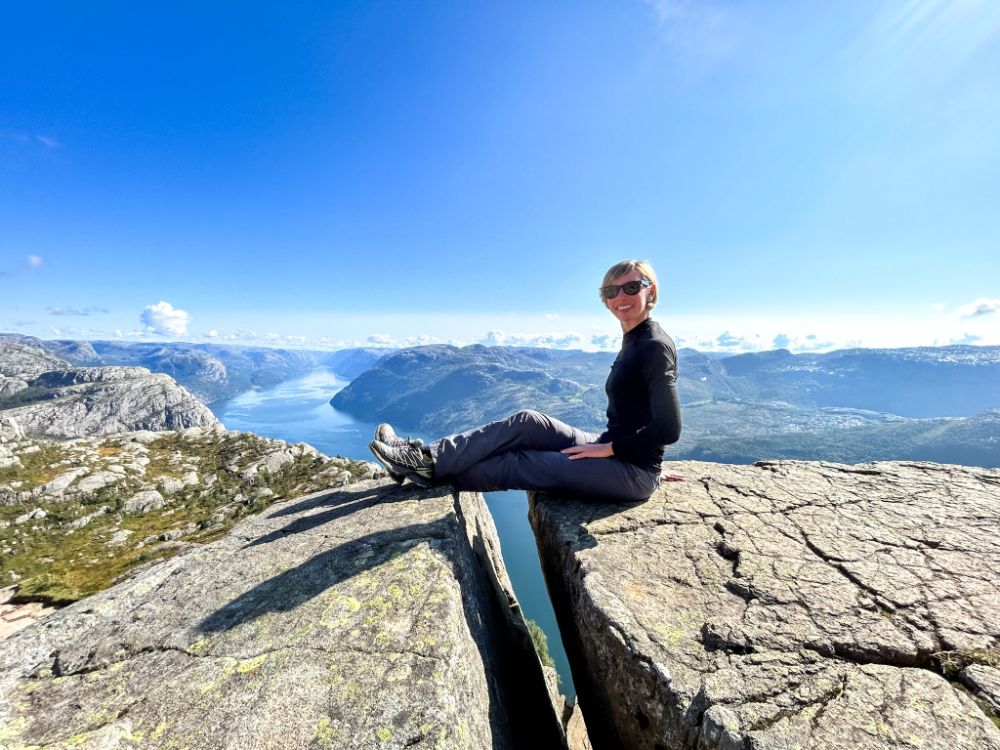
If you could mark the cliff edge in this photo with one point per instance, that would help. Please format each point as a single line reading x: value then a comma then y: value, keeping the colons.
x: 369, y: 617
x: 784, y: 605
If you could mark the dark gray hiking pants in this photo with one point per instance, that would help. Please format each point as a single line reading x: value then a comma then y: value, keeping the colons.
x: 521, y: 452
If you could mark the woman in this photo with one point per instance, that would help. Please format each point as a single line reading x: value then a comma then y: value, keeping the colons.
x: 532, y: 451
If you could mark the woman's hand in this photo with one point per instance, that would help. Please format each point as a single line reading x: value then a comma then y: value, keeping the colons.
x: 589, y: 450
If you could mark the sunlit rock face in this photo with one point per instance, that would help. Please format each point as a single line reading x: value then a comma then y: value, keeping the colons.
x: 369, y: 616
x: 22, y: 359
x: 105, y: 400
x: 784, y: 605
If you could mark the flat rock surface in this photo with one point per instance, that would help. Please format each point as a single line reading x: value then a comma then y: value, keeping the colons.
x: 784, y: 605
x: 354, y: 619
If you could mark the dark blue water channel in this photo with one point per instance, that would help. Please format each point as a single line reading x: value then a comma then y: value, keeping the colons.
x: 299, y: 411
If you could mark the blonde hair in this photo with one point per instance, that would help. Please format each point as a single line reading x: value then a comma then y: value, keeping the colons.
x: 645, y: 270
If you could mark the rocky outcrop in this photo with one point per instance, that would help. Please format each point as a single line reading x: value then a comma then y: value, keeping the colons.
x: 105, y: 400
x: 75, y: 515
x: 22, y: 360
x: 784, y: 605
x: 371, y: 617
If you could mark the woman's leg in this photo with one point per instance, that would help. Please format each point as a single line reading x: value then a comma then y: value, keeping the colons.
x: 525, y: 430
x: 607, y: 479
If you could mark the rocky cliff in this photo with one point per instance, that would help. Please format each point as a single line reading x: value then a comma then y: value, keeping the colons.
x: 104, y: 400
x: 369, y: 617
x: 784, y: 605
x: 20, y: 362
x: 780, y: 606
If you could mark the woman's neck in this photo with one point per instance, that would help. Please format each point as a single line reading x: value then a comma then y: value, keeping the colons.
x: 626, y: 328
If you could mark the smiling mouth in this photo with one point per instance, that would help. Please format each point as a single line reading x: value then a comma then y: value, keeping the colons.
x: 623, y: 308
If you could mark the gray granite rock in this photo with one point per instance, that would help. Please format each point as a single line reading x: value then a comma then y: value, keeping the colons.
x: 9, y: 386
x: 984, y: 681
x: 106, y: 400
x: 10, y: 430
x: 8, y: 457
x: 370, y: 617
x: 782, y: 605
x: 82, y: 521
x: 99, y: 479
x: 55, y: 487
x: 24, y: 361
x: 36, y: 514
x: 144, y: 501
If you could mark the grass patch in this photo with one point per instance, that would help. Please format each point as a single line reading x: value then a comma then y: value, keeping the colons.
x: 52, y: 563
x: 36, y: 468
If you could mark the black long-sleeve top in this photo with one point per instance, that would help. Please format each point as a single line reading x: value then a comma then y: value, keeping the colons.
x: 644, y: 413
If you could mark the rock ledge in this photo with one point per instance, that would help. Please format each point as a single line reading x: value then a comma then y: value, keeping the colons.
x: 784, y: 605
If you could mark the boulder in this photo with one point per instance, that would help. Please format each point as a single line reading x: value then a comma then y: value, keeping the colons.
x: 144, y: 501
x: 82, y: 521
x: 10, y: 430
x: 783, y: 605
x: 98, y: 479
x: 272, y: 463
x: 369, y: 617
x: 32, y: 515
x: 7, y: 457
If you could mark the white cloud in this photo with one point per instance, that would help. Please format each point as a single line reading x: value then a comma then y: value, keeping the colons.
x: 422, y: 339
x: 981, y: 306
x: 733, y: 342
x: 381, y: 339
x: 47, y: 142
x: 606, y: 342
x: 561, y: 340
x: 938, y: 307
x: 35, y: 261
x: 213, y: 334
x: 164, y: 319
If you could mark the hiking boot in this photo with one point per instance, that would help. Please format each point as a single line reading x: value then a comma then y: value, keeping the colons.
x: 385, y: 434
x: 407, y: 461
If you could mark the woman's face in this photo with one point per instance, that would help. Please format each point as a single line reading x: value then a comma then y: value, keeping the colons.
x: 630, y: 309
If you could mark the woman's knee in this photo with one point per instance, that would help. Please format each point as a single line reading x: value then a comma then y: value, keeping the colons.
x: 527, y: 415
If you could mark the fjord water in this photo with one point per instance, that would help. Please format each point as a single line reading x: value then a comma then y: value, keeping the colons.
x: 299, y: 411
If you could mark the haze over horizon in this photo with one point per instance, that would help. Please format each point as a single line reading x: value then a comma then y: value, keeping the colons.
x: 374, y: 173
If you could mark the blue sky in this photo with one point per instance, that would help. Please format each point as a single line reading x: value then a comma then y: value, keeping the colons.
x: 328, y: 174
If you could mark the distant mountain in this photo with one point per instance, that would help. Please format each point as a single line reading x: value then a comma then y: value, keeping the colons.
x: 439, y: 389
x: 943, y: 381
x: 211, y: 372
x: 349, y: 363
x: 849, y: 405
x: 972, y: 441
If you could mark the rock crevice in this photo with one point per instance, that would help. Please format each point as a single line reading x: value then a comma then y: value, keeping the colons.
x: 786, y: 604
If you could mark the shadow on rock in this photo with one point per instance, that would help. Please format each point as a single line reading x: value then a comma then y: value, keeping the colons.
x: 292, y: 588
x: 340, y: 504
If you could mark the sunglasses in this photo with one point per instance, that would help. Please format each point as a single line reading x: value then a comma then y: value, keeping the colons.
x: 629, y: 287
